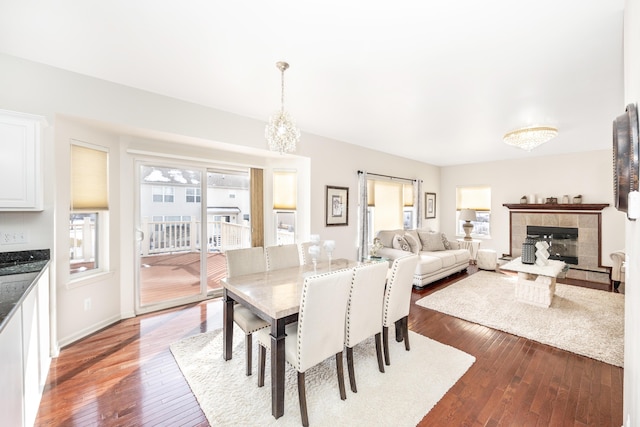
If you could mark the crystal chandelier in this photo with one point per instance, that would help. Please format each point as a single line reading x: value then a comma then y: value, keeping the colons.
x: 281, y: 132
x: 530, y: 137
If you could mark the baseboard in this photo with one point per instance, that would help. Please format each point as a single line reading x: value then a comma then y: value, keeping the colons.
x: 88, y: 331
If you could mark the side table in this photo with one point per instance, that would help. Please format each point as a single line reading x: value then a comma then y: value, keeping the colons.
x: 472, y: 246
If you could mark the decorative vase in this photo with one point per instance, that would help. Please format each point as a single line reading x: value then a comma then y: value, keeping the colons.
x: 578, y: 199
x: 528, y: 251
x: 542, y: 254
x: 523, y: 199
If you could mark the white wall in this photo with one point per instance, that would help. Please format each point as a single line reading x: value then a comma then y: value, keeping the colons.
x: 140, y: 125
x: 589, y: 174
x: 632, y: 290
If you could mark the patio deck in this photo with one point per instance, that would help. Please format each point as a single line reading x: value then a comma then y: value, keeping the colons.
x: 169, y: 276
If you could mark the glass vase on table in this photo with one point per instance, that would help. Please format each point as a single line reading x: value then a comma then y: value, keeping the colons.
x: 314, y: 253
x: 329, y: 246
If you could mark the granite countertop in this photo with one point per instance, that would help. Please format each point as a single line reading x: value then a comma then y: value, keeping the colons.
x: 19, y: 271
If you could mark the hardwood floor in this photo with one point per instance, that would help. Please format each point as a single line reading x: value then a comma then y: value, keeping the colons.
x: 125, y: 375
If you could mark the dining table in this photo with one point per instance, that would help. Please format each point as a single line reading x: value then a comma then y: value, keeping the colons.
x: 275, y: 297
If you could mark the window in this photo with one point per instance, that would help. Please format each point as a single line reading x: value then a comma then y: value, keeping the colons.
x: 89, y: 207
x: 163, y: 194
x: 478, y: 199
x: 285, y: 198
x: 193, y: 195
x: 389, y: 206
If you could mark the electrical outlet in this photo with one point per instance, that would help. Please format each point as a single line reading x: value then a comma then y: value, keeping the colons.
x: 87, y: 304
x: 13, y: 237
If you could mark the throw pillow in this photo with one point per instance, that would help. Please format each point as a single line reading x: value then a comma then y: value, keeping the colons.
x: 432, y: 242
x: 445, y: 242
x: 414, y: 234
x: 399, y: 242
x: 413, y: 243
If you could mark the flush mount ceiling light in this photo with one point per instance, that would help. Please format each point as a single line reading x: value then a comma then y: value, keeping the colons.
x: 281, y: 132
x: 530, y: 137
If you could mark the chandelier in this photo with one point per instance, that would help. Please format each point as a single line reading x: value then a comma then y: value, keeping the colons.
x: 281, y: 132
x: 530, y: 137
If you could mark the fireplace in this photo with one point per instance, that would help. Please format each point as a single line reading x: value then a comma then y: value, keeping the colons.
x: 563, y: 241
x: 584, y: 249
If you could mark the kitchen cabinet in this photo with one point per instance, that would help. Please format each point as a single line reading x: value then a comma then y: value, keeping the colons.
x: 11, y: 371
x: 20, y: 161
x: 25, y: 356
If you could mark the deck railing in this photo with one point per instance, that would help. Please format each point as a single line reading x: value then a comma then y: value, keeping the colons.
x: 176, y: 236
x: 161, y: 237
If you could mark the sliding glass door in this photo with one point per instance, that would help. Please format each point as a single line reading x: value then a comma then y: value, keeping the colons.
x: 170, y: 249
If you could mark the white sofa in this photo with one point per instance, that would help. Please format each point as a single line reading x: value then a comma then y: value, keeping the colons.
x: 439, y: 257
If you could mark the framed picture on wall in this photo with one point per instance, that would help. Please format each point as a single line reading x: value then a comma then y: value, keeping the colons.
x: 429, y: 205
x: 337, y: 206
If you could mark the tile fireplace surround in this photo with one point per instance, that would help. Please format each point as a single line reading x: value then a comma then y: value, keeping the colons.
x: 586, y: 218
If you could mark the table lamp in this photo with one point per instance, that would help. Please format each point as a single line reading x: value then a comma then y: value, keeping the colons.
x: 467, y: 215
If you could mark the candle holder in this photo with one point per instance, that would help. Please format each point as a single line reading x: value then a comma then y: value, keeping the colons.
x: 329, y: 246
x: 314, y: 253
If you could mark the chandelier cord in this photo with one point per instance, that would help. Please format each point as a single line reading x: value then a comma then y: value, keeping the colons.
x: 282, y: 90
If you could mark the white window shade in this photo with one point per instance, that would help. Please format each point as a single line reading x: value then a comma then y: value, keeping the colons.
x: 89, y: 178
x: 285, y: 190
x: 407, y: 191
x: 475, y: 198
x: 388, y: 211
x: 371, y: 192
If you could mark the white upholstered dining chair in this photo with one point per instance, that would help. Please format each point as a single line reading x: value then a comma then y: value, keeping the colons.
x: 319, y: 332
x: 363, y: 312
x: 397, y: 300
x: 282, y: 256
x: 240, y: 262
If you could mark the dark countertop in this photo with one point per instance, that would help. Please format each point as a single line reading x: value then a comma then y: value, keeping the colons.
x: 19, y: 271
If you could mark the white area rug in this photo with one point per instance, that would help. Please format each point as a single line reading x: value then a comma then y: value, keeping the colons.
x: 580, y: 320
x: 409, y: 388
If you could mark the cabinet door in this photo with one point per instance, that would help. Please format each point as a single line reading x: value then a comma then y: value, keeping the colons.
x: 30, y: 356
x: 44, y: 333
x: 11, y: 372
x: 20, y: 161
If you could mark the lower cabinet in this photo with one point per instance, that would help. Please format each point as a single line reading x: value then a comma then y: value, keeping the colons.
x: 25, y: 357
x: 11, y: 371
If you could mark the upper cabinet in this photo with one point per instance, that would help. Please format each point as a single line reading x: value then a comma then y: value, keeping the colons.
x: 20, y: 161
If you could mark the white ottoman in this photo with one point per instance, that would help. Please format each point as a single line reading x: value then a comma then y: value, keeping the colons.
x: 487, y: 259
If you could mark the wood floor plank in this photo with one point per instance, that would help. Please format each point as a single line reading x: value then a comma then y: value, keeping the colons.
x: 125, y: 375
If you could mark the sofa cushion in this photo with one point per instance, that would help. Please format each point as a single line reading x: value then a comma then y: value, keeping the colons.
x: 413, y: 243
x: 386, y: 237
x: 447, y: 258
x: 400, y: 242
x: 414, y: 234
x: 431, y: 241
x: 445, y: 241
x: 428, y: 265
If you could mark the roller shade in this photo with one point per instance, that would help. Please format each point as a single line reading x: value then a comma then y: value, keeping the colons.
x: 475, y: 198
x: 89, y: 178
x: 285, y: 190
x: 407, y: 192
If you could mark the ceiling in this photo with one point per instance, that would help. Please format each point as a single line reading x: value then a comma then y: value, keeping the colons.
x: 436, y: 81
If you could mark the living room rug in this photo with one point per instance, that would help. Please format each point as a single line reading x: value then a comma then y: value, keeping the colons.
x: 409, y: 388
x: 585, y: 321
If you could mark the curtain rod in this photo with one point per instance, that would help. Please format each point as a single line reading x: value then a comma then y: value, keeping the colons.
x: 387, y: 176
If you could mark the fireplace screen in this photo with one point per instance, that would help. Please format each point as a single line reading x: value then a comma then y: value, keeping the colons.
x: 563, y: 242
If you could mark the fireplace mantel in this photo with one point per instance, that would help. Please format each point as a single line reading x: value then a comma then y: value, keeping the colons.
x: 556, y: 206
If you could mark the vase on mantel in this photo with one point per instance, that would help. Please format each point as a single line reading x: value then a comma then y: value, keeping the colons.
x: 578, y: 199
x: 565, y: 199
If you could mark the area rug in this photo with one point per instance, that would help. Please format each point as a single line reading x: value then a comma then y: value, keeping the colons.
x: 584, y: 321
x: 414, y: 382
